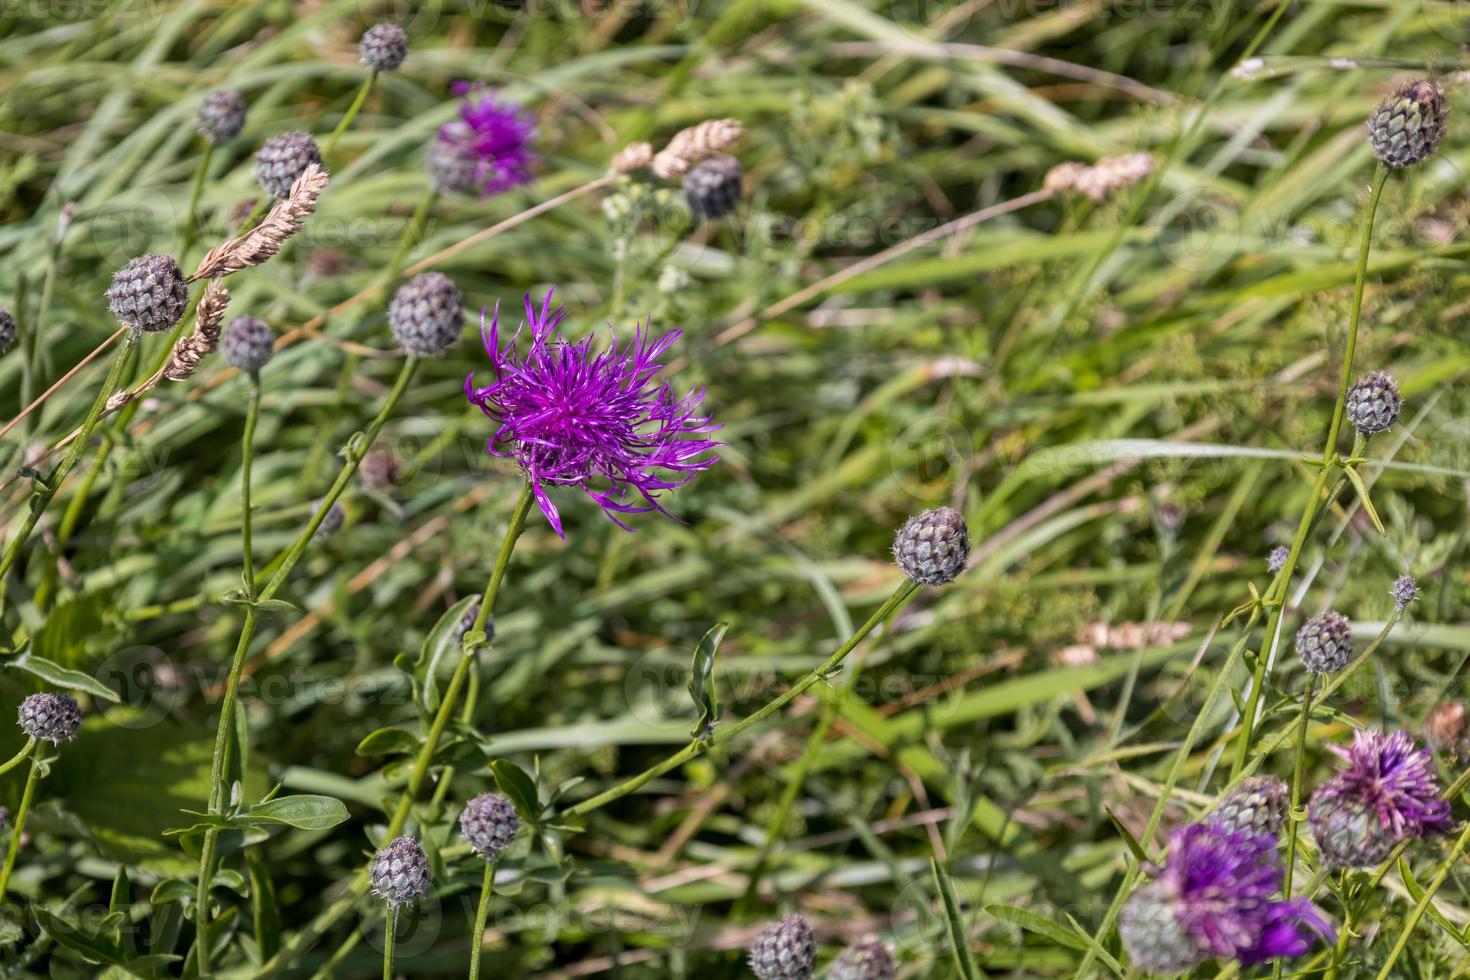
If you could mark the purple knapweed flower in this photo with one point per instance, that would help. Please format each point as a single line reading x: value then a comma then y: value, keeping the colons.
x: 603, y: 421
x: 1216, y: 898
x: 1387, y: 793
x: 496, y: 135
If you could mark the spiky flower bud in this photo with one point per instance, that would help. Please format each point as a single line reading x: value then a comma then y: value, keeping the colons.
x: 1405, y: 590
x: 426, y: 314
x: 712, y: 188
x: 332, y: 522
x: 1152, y: 934
x: 1408, y: 125
x: 148, y: 294
x: 1276, y: 560
x: 454, y: 168
x: 400, y: 872
x: 1445, y: 727
x: 1373, y: 404
x: 784, y: 950
x: 931, y: 548
x: 247, y: 344
x: 383, y: 47
x: 222, y: 115
x: 282, y: 159
x: 1257, y: 805
x: 868, y: 960
x: 1349, y: 833
x: 51, y: 717
x: 1325, y: 643
x: 7, y: 330
x: 489, y: 823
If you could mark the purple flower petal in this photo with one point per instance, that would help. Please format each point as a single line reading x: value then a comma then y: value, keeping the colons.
x: 602, y: 421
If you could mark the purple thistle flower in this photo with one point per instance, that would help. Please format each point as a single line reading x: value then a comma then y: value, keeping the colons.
x: 1215, y: 898
x: 497, y: 135
x: 603, y: 421
x: 1388, y: 792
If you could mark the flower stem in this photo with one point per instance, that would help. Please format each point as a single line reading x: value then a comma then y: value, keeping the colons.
x: 20, y: 818
x: 44, y: 492
x: 419, y: 771
x: 391, y: 928
x: 352, y: 110
x: 699, y: 747
x: 252, y: 413
x: 16, y: 759
x: 191, y: 216
x: 1417, y: 913
x: 482, y: 913
x: 1329, y: 452
x: 355, y: 450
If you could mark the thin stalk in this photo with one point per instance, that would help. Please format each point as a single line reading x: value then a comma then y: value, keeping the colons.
x: 482, y: 913
x: 1297, y: 767
x: 16, y: 759
x: 727, y: 733
x: 26, y: 796
x: 43, y: 494
x: 419, y: 771
x: 1329, y: 454
x: 356, y: 448
x: 1417, y: 913
x: 191, y: 216
x: 252, y: 414
x: 411, y: 235
x: 1110, y: 917
x: 392, y: 927
x: 352, y: 110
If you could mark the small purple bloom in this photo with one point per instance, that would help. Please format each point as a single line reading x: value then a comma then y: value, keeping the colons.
x: 498, y: 135
x: 603, y: 421
x: 1216, y: 898
x: 1394, y: 778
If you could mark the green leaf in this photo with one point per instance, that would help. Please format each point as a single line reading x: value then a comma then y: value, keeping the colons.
x: 1129, y: 839
x: 439, y: 648
x: 1039, y: 924
x: 1356, y: 479
x: 389, y: 741
x: 516, y: 784
x: 959, y: 935
x: 702, y: 681
x: 59, y: 676
x: 172, y: 890
x: 304, y: 812
x: 265, y: 916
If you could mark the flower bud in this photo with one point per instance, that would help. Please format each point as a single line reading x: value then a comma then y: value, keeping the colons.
x: 1325, y: 643
x: 148, y: 294
x: 931, y: 548
x: 489, y: 823
x: 785, y: 950
x: 282, y: 159
x: 426, y: 314
x: 50, y: 717
x: 1152, y: 934
x: 1408, y: 125
x: 868, y: 960
x: 221, y: 115
x: 400, y: 872
x: 1258, y: 805
x: 383, y: 47
x: 1373, y: 404
x: 247, y: 344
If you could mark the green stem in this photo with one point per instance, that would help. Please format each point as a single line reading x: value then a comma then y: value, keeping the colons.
x: 352, y: 110
x: 1297, y: 767
x: 388, y: 936
x: 725, y: 734
x: 252, y: 414
x: 20, y: 820
x: 43, y: 494
x: 410, y: 235
x: 1329, y: 456
x: 16, y: 759
x: 1412, y: 921
x: 482, y: 913
x: 191, y: 216
x: 356, y: 448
